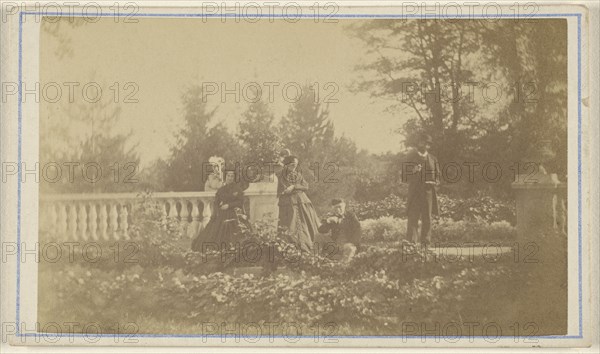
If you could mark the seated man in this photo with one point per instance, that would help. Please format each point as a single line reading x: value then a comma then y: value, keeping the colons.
x: 344, y: 227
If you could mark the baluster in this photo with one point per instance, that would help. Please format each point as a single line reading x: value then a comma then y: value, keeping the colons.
x: 130, y: 213
x: 555, y: 212
x: 93, y: 225
x: 183, y: 214
x: 172, y: 209
x: 124, y: 225
x: 44, y: 217
x: 563, y: 215
x: 62, y: 220
x: 165, y: 210
x: 82, y: 223
x: 195, y: 219
x: 113, y: 224
x: 73, y: 221
x: 103, y: 222
x: 165, y: 215
x: 206, y: 213
x: 52, y: 219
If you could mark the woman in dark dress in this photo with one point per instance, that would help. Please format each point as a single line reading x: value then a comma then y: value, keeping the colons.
x: 228, y: 223
x: 296, y: 212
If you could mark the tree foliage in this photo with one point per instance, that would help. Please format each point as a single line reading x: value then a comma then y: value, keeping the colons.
x: 306, y: 128
x: 196, y: 141
x: 482, y: 90
x: 83, y: 153
x: 260, y: 141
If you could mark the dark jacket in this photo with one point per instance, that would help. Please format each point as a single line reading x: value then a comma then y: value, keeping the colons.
x: 230, y: 194
x: 225, y: 226
x: 347, y: 231
x: 430, y: 172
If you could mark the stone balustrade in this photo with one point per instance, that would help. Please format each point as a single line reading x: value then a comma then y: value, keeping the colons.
x: 110, y: 216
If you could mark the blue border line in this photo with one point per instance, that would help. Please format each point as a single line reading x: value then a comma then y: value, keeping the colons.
x: 515, y: 16
x: 195, y: 15
x: 579, y: 203
x: 19, y: 173
x: 126, y: 336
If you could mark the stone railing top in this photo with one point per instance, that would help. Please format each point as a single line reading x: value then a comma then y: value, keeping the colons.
x: 124, y: 196
x: 537, y: 181
x: 536, y: 185
x: 138, y: 195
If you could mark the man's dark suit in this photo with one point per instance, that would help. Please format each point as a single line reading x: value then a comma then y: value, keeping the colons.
x: 422, y: 198
x: 346, y: 231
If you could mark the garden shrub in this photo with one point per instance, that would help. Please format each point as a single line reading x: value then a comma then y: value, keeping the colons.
x: 481, y: 208
x: 386, y: 228
x: 383, y: 286
x: 391, y: 205
x: 443, y: 230
x: 448, y: 230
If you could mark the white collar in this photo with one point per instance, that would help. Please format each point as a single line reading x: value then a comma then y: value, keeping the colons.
x: 423, y: 155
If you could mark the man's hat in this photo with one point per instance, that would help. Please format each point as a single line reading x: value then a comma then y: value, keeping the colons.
x: 289, y: 159
x: 426, y: 138
x: 336, y: 201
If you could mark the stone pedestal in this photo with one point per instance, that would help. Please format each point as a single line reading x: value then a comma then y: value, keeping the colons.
x: 542, y: 242
x: 263, y: 200
x: 541, y: 205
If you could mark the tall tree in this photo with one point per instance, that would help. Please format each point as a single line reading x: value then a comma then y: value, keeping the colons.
x: 93, y: 157
x: 327, y: 161
x: 421, y: 65
x: 81, y: 137
x: 533, y: 56
x: 453, y: 63
x: 195, y: 143
x: 306, y: 129
x: 260, y: 141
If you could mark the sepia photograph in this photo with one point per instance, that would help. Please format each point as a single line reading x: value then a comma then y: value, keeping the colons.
x: 302, y: 177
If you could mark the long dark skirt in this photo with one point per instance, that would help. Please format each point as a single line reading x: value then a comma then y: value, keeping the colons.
x: 301, y: 222
x: 222, y: 231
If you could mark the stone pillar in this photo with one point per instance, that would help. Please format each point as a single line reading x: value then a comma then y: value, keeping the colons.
x: 540, y: 205
x: 542, y: 243
x: 263, y: 200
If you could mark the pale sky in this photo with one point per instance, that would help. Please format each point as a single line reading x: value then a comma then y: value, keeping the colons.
x: 163, y: 56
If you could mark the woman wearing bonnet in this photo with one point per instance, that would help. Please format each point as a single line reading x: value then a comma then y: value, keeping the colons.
x: 296, y: 212
x: 215, y: 177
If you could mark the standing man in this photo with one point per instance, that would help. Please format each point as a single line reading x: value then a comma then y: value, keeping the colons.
x: 421, y: 172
